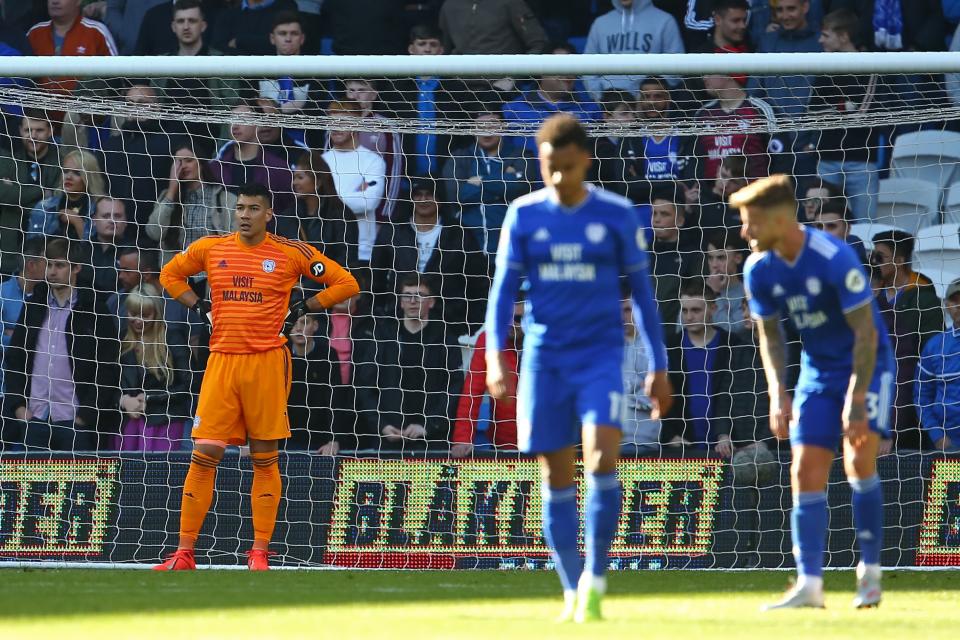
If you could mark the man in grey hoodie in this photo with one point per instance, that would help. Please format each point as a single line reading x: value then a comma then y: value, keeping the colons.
x: 633, y: 26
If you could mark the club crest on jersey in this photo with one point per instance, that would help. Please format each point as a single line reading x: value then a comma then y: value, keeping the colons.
x: 813, y: 286
x: 596, y: 232
x: 855, y: 281
x: 196, y: 421
x: 317, y: 269
x: 269, y: 266
x: 778, y: 290
x: 641, y: 240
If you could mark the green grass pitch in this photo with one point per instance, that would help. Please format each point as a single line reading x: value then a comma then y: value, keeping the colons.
x: 685, y: 605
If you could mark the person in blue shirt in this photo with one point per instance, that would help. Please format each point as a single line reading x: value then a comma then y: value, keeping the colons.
x: 552, y: 94
x: 573, y: 243
x: 937, y: 390
x: 845, y: 388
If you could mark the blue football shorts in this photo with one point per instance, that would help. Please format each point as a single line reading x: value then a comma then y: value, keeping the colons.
x: 819, y: 412
x: 554, y: 403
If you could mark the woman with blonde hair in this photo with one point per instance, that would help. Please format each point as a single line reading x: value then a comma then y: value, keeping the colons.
x: 68, y: 212
x: 154, y: 378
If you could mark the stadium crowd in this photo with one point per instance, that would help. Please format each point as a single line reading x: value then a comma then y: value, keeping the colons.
x: 96, y: 356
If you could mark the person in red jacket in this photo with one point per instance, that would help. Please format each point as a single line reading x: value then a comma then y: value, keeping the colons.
x: 503, y: 427
x: 68, y: 33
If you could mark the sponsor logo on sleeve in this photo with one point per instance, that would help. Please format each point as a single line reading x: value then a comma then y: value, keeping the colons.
x: 317, y: 269
x: 855, y: 281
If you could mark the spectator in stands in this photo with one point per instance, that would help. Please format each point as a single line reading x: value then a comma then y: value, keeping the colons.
x: 108, y: 235
x: 834, y: 218
x: 245, y: 159
x: 364, y: 27
x: 732, y: 175
x: 848, y: 155
x: 68, y: 33
x: 27, y: 176
x: 552, y: 94
x: 427, y: 98
x: 359, y: 174
x: 320, y: 217
x: 912, y: 312
x: 789, y: 93
x: 387, y: 143
x: 484, y: 178
x: 818, y: 193
x: 189, y: 25
x: 68, y: 212
x: 140, y: 268
x: 316, y: 405
x: 60, y: 367
x: 675, y: 254
x: 725, y: 252
x: 137, y: 157
x: 937, y: 391
x: 609, y: 170
x: 639, y: 428
x: 712, y: 402
x: 502, y: 426
x: 443, y: 253
x: 701, y: 24
x: 633, y: 26
x: 730, y: 108
x: 154, y: 378
x: 753, y: 462
x: 418, y: 376
x: 192, y: 205
x: 730, y: 34
x: 245, y: 29
x: 292, y: 95
x: 13, y: 291
x: 350, y: 332
x: 917, y: 25
x: 124, y: 19
x: 763, y: 16
x: 285, y: 143
x: 490, y: 26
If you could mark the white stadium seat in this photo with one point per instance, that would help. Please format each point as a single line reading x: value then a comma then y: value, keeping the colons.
x: 951, y: 204
x: 908, y: 203
x: 933, y: 156
x: 937, y: 249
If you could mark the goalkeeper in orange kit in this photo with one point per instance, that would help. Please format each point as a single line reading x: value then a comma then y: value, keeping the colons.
x: 243, y: 397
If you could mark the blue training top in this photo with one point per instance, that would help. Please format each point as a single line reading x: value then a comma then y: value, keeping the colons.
x: 825, y: 282
x: 573, y: 259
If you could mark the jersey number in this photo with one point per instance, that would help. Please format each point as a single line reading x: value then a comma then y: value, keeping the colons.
x: 873, y: 405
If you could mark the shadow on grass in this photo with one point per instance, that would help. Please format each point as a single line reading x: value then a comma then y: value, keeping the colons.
x: 59, y: 593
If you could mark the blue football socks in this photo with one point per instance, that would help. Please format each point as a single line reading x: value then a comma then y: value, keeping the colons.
x: 868, y: 517
x: 561, y: 525
x: 809, y: 524
x: 601, y: 519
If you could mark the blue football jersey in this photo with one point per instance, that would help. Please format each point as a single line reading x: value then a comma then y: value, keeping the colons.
x: 572, y: 259
x: 826, y: 281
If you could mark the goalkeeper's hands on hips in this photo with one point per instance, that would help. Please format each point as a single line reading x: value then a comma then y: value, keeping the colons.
x: 297, y: 310
x: 203, y: 308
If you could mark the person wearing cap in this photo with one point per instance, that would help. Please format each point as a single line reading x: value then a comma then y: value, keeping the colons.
x: 443, y: 252
x: 937, y: 390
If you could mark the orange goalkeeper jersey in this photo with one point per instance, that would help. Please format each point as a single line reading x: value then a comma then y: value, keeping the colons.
x: 250, y: 286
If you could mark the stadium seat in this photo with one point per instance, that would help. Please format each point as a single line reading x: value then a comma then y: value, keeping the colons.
x: 951, y: 204
x: 866, y: 230
x: 933, y: 156
x: 937, y: 250
x: 908, y: 203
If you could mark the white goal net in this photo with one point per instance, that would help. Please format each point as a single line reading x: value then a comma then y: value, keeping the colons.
x: 398, y: 458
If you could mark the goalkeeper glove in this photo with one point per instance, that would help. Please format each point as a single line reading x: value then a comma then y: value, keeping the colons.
x: 203, y: 308
x: 297, y: 310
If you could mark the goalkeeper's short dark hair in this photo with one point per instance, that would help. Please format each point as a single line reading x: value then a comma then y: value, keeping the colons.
x: 561, y: 130
x: 255, y: 189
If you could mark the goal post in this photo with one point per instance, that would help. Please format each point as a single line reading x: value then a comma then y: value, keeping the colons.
x: 402, y: 168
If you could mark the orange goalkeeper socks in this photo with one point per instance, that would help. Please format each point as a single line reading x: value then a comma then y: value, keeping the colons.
x: 265, y: 496
x: 197, y: 496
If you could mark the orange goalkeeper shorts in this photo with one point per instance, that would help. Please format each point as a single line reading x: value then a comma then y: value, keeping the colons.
x: 244, y: 395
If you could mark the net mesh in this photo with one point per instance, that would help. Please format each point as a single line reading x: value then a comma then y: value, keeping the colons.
x: 405, y: 177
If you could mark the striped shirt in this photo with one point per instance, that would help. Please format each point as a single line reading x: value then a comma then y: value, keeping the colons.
x: 250, y: 286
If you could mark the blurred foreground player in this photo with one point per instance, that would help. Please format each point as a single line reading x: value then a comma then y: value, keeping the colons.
x: 846, y: 380
x: 573, y: 242
x: 243, y: 397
